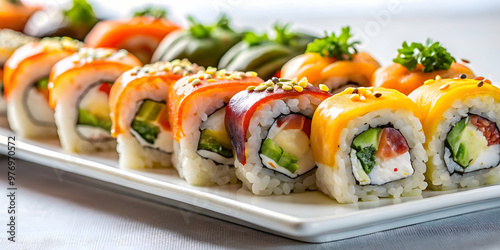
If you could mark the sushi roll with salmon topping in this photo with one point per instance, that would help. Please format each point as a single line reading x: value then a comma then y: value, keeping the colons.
x: 79, y: 92
x: 461, y: 120
x: 9, y: 41
x: 203, y: 154
x: 417, y: 63
x: 14, y: 14
x: 26, y: 75
x: 269, y: 127
x: 137, y: 102
x: 140, y: 35
x: 368, y: 143
x: 333, y: 61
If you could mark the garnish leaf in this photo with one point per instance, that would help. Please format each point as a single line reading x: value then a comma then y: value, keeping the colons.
x: 431, y: 55
x: 253, y: 39
x: 151, y: 11
x: 366, y: 157
x: 199, y: 30
x: 80, y: 13
x: 334, y: 46
x: 283, y: 34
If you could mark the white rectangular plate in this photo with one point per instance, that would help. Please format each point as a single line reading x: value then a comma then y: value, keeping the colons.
x: 309, y: 216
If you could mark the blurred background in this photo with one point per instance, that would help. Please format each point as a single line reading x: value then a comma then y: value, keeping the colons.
x: 468, y: 29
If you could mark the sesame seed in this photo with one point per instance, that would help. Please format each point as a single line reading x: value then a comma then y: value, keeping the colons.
x: 211, y: 80
x: 354, y: 97
x: 378, y: 95
x: 355, y: 91
x: 463, y: 76
x: 287, y: 87
x: 480, y: 84
x: 275, y: 79
x: 465, y: 60
x: 428, y: 81
x: 251, y: 73
x: 303, y: 83
x: 298, y: 88
x: 250, y: 88
x: 444, y: 87
x: 479, y: 78
x: 438, y: 77
x: 487, y: 81
x: 362, y: 98
x: 195, y: 82
x: 324, y: 88
x: 270, y: 89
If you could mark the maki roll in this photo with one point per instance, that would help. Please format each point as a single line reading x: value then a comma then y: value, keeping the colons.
x: 200, y: 44
x: 139, y: 113
x: 368, y: 143
x: 26, y: 75
x: 140, y: 35
x: 9, y: 41
x: 461, y: 120
x: 265, y: 55
x: 203, y: 153
x: 333, y: 61
x: 79, y: 92
x: 417, y: 63
x: 269, y: 126
x: 75, y: 21
x: 14, y: 14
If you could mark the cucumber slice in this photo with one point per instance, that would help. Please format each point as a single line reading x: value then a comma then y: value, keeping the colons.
x: 86, y: 118
x: 271, y: 150
x: 368, y: 138
x: 149, y: 110
x: 147, y: 130
x: 42, y: 83
x: 209, y: 142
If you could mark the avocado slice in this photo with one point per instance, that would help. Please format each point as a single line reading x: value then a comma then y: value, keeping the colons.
x: 86, y: 118
x: 210, y: 140
x: 42, y: 83
x: 368, y: 138
x: 466, y: 142
x: 149, y: 110
x: 147, y: 130
x: 453, y: 137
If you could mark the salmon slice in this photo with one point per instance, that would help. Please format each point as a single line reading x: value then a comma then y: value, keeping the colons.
x: 392, y: 144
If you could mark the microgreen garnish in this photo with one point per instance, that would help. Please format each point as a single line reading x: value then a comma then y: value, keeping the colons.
x: 334, y: 46
x: 80, y: 12
x: 151, y: 11
x: 431, y: 55
x: 199, y: 30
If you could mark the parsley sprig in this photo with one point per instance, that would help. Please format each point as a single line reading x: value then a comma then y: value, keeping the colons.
x: 334, y: 46
x: 431, y: 55
x: 199, y: 30
x: 80, y: 12
x: 151, y: 11
x: 283, y: 35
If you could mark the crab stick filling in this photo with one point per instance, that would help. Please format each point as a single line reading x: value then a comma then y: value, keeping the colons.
x: 214, y: 142
x: 380, y: 155
x: 93, y: 122
x: 472, y: 144
x: 287, y: 148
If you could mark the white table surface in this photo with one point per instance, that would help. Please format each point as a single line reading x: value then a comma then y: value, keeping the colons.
x: 59, y: 210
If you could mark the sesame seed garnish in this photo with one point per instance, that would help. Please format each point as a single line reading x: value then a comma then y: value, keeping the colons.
x: 195, y: 82
x: 324, y: 87
x: 444, y: 87
x: 438, y: 77
x: 275, y: 79
x: 479, y: 78
x: 287, y: 87
x: 465, y: 60
x: 211, y: 80
x: 298, y: 88
x: 355, y: 91
x: 362, y: 98
x: 378, y: 95
x: 354, y: 97
x: 463, y: 76
x: 270, y: 89
x: 487, y: 81
x: 428, y: 81
x: 250, y: 88
x: 480, y: 84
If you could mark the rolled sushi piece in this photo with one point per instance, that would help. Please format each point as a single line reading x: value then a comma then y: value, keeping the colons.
x: 9, y: 41
x: 138, y: 108
x: 461, y: 120
x: 333, y: 61
x: 26, y: 75
x: 203, y: 154
x: 140, y: 35
x: 79, y: 92
x: 14, y: 14
x: 269, y: 127
x: 368, y: 143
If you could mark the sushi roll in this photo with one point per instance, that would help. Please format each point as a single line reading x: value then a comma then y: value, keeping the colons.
x: 26, y: 75
x: 14, y: 14
x: 368, y: 143
x: 265, y: 55
x: 333, y: 61
x: 201, y: 44
x: 203, y: 153
x: 417, y: 63
x: 140, y: 35
x: 75, y: 19
x: 79, y: 92
x: 461, y: 121
x: 9, y: 41
x: 138, y: 108
x: 269, y: 127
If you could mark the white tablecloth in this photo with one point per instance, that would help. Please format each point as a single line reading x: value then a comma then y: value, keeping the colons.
x: 58, y: 210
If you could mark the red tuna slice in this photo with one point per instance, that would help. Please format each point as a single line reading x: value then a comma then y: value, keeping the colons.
x: 295, y: 121
x: 243, y: 105
x: 105, y: 87
x: 392, y: 144
x: 489, y: 129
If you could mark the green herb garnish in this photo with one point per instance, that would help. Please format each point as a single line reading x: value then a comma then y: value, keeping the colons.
x: 334, y: 46
x: 80, y: 12
x: 151, y: 11
x: 431, y: 55
x: 253, y: 39
x: 198, y: 30
x: 367, y: 158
